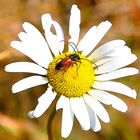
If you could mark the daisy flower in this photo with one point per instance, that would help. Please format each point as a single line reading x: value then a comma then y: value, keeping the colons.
x: 79, y: 74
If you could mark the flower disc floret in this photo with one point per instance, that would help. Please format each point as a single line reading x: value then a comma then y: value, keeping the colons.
x: 73, y: 81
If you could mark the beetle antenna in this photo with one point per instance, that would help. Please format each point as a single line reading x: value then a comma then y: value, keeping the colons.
x: 91, y: 62
x: 74, y: 46
x: 69, y: 43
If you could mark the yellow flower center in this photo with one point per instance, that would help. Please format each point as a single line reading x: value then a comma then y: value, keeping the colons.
x: 71, y: 74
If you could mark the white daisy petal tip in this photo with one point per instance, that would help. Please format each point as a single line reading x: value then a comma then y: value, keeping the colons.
x: 28, y: 82
x: 135, y: 57
x: 97, y: 127
x: 35, y: 115
x: 97, y: 130
x: 11, y: 43
x: 25, y: 25
x: 31, y: 114
x: 137, y: 71
x: 74, y: 25
x: 14, y: 43
x: 108, y: 23
x: 6, y: 69
x: 119, y: 42
x: 134, y: 94
x: 125, y: 109
x: 46, y: 18
x: 105, y: 24
x: 14, y: 90
x: 75, y: 7
x: 22, y: 35
x: 107, y: 120
x: 85, y: 129
x: 64, y: 135
x: 46, y: 15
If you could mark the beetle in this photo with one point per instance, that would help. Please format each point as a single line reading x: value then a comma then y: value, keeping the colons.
x: 68, y: 61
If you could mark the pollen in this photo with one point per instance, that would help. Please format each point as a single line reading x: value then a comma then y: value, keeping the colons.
x: 71, y: 79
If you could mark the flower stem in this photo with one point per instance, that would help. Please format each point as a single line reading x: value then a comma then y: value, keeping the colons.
x: 49, y: 125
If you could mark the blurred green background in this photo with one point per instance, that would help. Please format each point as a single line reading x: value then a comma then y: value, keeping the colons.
x: 14, y: 122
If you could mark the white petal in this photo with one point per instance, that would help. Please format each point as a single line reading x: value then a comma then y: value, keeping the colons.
x: 74, y: 25
x: 61, y: 102
x: 33, y: 45
x: 97, y: 108
x: 34, y: 54
x: 55, y: 41
x: 30, y: 114
x: 28, y: 82
x: 115, y: 87
x: 59, y: 35
x: 23, y: 36
x: 67, y: 121
x: 67, y: 115
x: 93, y: 36
x: 23, y: 49
x: 94, y: 121
x: 109, y: 99
x: 117, y: 74
x: 86, y: 44
x: 97, y: 126
x: 102, y: 61
x: 102, y: 50
x: 46, y: 21
x: 116, y: 63
x: 44, y: 103
x: 118, y: 51
x: 25, y: 67
x: 79, y: 108
x: 36, y: 46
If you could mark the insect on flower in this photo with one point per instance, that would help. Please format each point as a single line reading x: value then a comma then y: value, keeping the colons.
x: 70, y: 59
x: 67, y: 62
